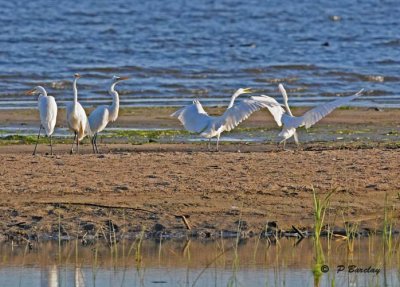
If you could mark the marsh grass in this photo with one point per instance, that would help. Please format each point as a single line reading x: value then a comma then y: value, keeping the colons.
x: 320, y: 207
x: 351, y: 230
x: 388, y: 223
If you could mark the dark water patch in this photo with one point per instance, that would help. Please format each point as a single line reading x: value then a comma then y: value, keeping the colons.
x: 391, y: 43
x: 304, y: 67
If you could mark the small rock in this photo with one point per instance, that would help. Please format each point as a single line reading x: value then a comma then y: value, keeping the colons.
x: 121, y: 188
x: 37, y: 218
x: 14, y: 213
x: 272, y: 224
x: 88, y: 226
x: 158, y: 227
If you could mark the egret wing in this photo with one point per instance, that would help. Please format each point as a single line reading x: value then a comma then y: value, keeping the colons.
x: 239, y: 112
x: 193, y: 117
x: 319, y: 112
x: 273, y: 106
x: 98, y: 119
x: 48, y: 113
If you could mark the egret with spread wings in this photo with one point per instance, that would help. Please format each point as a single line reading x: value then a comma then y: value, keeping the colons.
x: 195, y: 119
x: 290, y: 123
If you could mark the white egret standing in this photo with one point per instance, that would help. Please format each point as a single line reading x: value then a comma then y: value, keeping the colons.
x: 102, y: 115
x: 195, y: 119
x: 48, y: 114
x: 291, y: 123
x: 76, y: 118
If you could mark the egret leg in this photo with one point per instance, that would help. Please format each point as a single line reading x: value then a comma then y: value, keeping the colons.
x: 95, y: 143
x: 77, y: 144
x: 283, y: 142
x: 218, y: 143
x: 209, y: 144
x: 73, y: 142
x: 37, y: 141
x: 296, y: 140
x: 92, y: 141
x: 51, y: 145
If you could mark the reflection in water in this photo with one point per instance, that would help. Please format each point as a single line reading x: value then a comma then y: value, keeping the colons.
x: 49, y: 276
x: 252, y: 262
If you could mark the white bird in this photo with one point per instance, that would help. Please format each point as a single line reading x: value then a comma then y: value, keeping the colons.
x: 195, y: 119
x: 48, y: 113
x: 290, y: 123
x: 102, y: 115
x: 76, y: 118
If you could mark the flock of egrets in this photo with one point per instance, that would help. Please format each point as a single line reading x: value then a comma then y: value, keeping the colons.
x: 193, y: 117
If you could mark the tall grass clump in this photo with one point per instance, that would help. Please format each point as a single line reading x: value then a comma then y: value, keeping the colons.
x: 320, y: 207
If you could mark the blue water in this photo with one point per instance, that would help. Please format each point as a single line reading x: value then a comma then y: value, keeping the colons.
x: 175, y: 51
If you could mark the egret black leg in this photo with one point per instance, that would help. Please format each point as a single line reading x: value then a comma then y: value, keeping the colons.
x: 209, y: 144
x: 92, y: 140
x: 51, y: 145
x: 95, y: 143
x: 218, y: 143
x: 73, y: 142
x: 37, y: 141
x: 77, y: 144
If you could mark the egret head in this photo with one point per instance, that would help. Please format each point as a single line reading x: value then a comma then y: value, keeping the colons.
x: 244, y: 91
x: 77, y: 76
x: 36, y: 91
x: 117, y: 79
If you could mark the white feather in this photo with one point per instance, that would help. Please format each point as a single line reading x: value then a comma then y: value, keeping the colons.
x: 48, y: 113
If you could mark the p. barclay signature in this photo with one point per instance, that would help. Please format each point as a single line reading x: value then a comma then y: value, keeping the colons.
x: 356, y: 269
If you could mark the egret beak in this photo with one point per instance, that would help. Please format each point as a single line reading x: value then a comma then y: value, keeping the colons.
x: 30, y: 92
x: 123, y: 78
x: 247, y: 91
x: 77, y: 75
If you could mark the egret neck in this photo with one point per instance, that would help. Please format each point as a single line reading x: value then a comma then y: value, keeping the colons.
x: 114, y: 108
x: 75, y: 93
x: 235, y: 95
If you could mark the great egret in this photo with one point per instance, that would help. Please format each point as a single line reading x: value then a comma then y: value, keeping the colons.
x: 195, y: 119
x: 290, y: 123
x: 76, y: 118
x: 48, y: 114
x: 102, y: 115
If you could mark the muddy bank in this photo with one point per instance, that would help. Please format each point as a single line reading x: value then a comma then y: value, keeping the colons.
x: 136, y: 188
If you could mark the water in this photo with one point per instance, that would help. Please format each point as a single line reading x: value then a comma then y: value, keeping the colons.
x: 175, y: 51
x: 198, y: 263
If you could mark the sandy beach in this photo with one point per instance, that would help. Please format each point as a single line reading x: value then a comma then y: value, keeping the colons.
x: 151, y: 185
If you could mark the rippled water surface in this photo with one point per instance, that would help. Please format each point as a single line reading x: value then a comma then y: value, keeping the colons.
x: 178, y: 50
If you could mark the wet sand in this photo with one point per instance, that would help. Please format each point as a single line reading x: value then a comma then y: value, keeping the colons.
x: 160, y: 117
x: 150, y: 186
